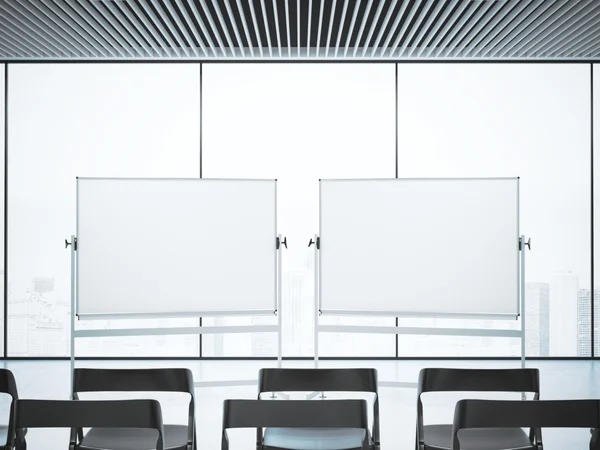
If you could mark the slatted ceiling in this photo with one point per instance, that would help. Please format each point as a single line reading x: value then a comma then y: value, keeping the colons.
x: 299, y: 29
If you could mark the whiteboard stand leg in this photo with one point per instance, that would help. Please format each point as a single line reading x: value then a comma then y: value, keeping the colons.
x: 73, y: 312
x: 315, y: 242
x: 522, y: 245
x: 279, y: 305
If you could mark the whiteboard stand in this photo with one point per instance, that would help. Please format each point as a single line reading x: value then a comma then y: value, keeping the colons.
x: 318, y: 328
x: 115, y: 332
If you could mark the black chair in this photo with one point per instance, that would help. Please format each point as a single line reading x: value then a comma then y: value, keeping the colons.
x: 438, y: 437
x: 134, y: 414
x: 319, y: 380
x: 291, y: 414
x: 473, y: 415
x: 8, y: 385
x: 177, y: 437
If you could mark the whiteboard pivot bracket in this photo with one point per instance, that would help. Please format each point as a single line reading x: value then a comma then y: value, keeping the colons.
x: 281, y: 242
x: 73, y: 242
x: 523, y: 244
x: 317, y: 242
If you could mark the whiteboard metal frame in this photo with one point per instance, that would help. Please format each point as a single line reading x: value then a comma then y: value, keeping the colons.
x: 93, y: 316
x: 167, y: 331
x: 418, y: 314
x: 439, y: 331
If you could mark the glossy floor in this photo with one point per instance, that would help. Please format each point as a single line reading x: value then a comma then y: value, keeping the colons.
x: 559, y: 380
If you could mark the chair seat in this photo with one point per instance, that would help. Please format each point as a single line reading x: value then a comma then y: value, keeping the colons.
x: 440, y: 437
x: 133, y: 438
x: 314, y: 438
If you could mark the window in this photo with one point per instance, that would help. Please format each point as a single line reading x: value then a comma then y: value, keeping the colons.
x: 102, y: 120
x: 527, y: 120
x: 299, y: 123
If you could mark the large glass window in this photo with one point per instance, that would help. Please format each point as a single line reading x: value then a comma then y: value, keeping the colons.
x: 299, y: 123
x: 499, y: 120
x: 93, y: 120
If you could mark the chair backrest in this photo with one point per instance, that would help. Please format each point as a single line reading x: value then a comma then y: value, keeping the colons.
x: 474, y: 380
x: 519, y: 413
x: 89, y: 413
x: 319, y: 380
x: 133, y: 380
x: 479, y: 380
x: 138, y: 380
x: 333, y: 380
x: 294, y: 414
x: 8, y: 385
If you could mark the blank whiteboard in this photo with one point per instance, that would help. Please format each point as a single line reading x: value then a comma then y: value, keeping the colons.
x: 420, y: 246
x: 170, y: 247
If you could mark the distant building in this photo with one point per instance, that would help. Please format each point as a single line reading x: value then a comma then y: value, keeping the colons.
x: 584, y: 321
x: 537, y: 320
x: 563, y: 314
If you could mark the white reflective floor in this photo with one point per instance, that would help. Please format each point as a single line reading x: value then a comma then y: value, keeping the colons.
x: 559, y: 380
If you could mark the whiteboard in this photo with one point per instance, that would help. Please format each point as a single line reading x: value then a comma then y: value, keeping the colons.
x: 175, y: 247
x: 420, y: 246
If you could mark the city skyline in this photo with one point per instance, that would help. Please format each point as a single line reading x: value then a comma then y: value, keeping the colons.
x: 38, y: 325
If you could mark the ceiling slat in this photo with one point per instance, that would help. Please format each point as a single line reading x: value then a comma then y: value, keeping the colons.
x: 383, y: 26
x: 426, y: 27
x: 100, y: 17
x: 416, y: 25
x: 14, y: 34
x: 76, y: 47
x: 394, y: 27
x: 483, y: 20
x: 515, y: 18
x: 449, y: 24
x: 158, y: 26
x: 43, y: 31
x: 266, y: 23
x: 581, y: 37
x: 33, y: 30
x: 145, y: 23
x: 456, y: 27
x: 319, y: 28
x: 191, y: 26
x: 179, y: 29
x: 203, y: 27
x: 572, y: 32
x: 511, y: 47
x: 491, y: 30
x: 372, y: 27
x: 568, y: 11
x: 352, y: 24
x: 245, y: 26
x: 221, y: 20
x: 591, y: 50
x: 78, y: 31
x: 13, y: 46
x: 256, y: 29
x: 361, y: 30
x: 525, y: 24
x: 402, y: 34
x: 287, y: 27
x: 329, y: 28
x: 277, y: 30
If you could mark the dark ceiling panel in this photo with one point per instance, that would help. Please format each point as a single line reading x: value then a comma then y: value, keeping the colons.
x: 300, y: 29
